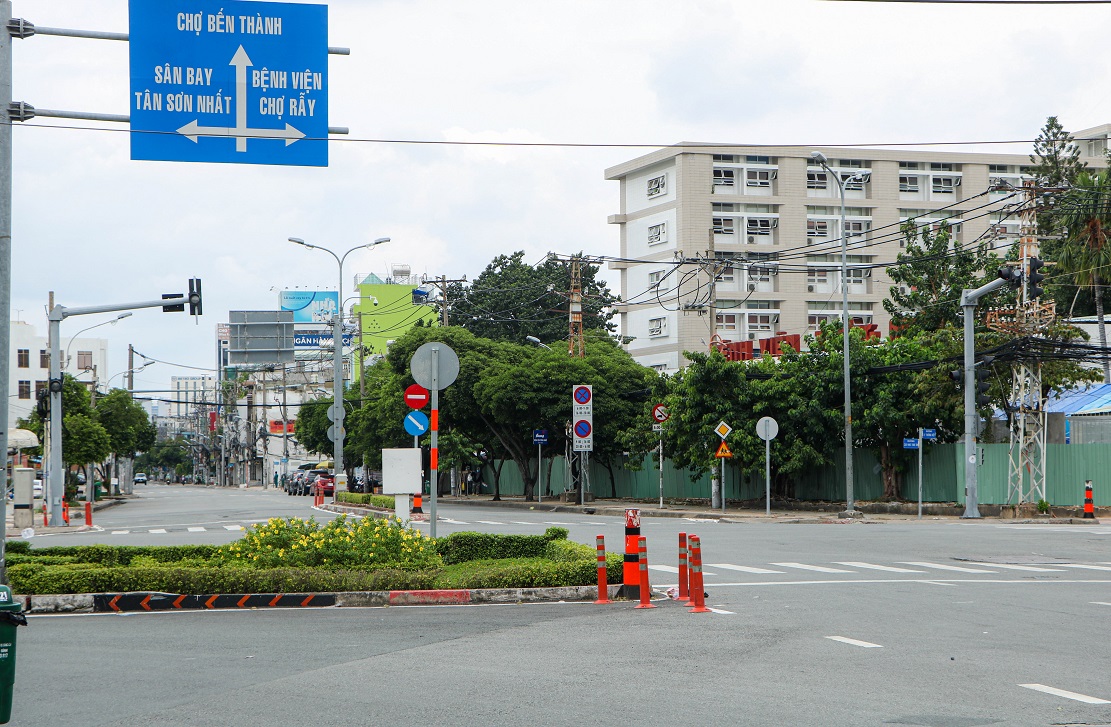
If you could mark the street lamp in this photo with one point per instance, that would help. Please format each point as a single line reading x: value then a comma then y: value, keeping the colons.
x: 535, y: 340
x: 337, y: 363
x: 113, y: 321
x: 820, y: 158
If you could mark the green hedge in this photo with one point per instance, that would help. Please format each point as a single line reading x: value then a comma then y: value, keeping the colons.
x: 358, y: 498
x: 527, y: 573
x: 468, y: 546
x: 121, y: 555
x: 17, y: 546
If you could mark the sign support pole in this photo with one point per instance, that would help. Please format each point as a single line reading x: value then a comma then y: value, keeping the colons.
x: 5, y: 247
x: 767, y: 477
x: 722, y: 483
x: 661, y: 471
x: 539, y: 472
x: 434, y: 455
x: 921, y: 446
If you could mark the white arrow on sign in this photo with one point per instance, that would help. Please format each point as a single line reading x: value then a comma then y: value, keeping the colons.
x: 193, y: 130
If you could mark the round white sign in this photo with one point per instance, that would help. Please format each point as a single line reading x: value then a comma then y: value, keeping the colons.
x: 767, y: 428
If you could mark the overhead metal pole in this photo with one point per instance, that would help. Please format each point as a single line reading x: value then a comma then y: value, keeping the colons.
x: 5, y: 252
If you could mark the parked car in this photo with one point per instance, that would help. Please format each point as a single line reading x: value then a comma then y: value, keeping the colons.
x: 324, y: 484
x: 140, y: 478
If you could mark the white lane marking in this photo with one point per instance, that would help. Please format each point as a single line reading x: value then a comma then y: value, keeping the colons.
x: 721, y: 610
x: 873, y: 566
x: 664, y: 568
x: 941, y: 566
x: 196, y: 530
x: 1086, y: 567
x: 453, y: 522
x: 120, y: 532
x: 742, y: 568
x: 1067, y: 695
x: 1099, y: 603
x: 520, y: 522
x: 1032, y: 569
x: 489, y: 522
x: 158, y: 531
x: 854, y: 642
x: 818, y: 568
x: 588, y: 522
x: 550, y: 522
x: 233, y: 527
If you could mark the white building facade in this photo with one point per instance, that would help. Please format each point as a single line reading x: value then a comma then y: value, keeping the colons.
x: 773, y: 215
x: 84, y: 358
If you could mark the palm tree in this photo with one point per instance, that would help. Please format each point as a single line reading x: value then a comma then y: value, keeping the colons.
x: 1085, y: 214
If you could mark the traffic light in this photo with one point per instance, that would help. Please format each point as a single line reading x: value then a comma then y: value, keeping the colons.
x: 1011, y: 275
x: 982, y: 385
x: 957, y: 376
x: 194, y: 296
x: 56, y: 386
x: 1033, y: 290
x: 43, y: 405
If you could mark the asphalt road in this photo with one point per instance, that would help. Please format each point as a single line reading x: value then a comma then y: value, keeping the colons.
x: 815, y: 624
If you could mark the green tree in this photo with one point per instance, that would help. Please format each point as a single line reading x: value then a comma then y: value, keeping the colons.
x: 929, y: 278
x: 511, y: 299
x: 85, y: 442
x: 1085, y: 214
x: 1056, y: 158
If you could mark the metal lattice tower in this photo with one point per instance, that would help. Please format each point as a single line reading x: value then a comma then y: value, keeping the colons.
x: 1026, y: 468
x: 575, y: 310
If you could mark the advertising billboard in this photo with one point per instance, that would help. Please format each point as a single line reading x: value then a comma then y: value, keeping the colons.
x: 311, y: 306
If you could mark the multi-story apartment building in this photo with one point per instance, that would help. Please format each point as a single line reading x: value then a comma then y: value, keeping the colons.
x: 190, y: 392
x: 29, y: 373
x: 772, y: 215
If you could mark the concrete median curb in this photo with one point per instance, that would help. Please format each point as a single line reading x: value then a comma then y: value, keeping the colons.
x: 145, y: 601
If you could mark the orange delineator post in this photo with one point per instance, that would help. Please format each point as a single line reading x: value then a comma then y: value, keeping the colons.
x: 684, y: 591
x: 417, y: 503
x: 1089, y: 503
x: 642, y: 567
x: 698, y: 595
x: 631, y: 579
x: 88, y: 513
x: 65, y: 512
x: 603, y: 586
x: 44, y: 521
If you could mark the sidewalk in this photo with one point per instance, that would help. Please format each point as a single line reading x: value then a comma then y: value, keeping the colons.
x: 76, y: 518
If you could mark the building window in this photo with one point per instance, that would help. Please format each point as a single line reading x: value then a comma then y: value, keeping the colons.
x: 725, y: 177
x: 945, y: 185
x: 727, y: 158
x: 816, y: 180
x: 854, y: 183
x: 724, y: 207
x: 725, y: 267
x: 724, y: 225
x: 657, y: 186
x: 24, y: 389
x: 657, y: 327
x: 908, y: 183
x: 909, y: 165
x: 999, y: 169
x: 760, y: 225
x: 41, y: 387
x: 851, y: 164
x: 760, y: 323
x: 657, y: 233
x: 759, y: 177
x: 857, y: 228
x: 855, y: 278
x: 658, y: 368
x: 23, y: 358
x: 655, y: 278
x: 941, y: 167
x: 44, y: 359
x: 817, y: 228
x: 84, y: 360
x: 727, y: 322
x: 758, y: 159
x: 817, y: 280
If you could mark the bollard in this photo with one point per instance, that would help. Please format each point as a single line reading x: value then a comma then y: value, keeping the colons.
x: 698, y: 595
x: 88, y: 513
x: 417, y: 503
x: 65, y: 512
x: 631, y: 579
x: 603, y: 587
x: 684, y: 591
x: 1089, y: 504
x: 44, y: 522
x: 642, y: 563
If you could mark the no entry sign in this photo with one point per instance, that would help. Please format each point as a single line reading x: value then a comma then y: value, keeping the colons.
x: 416, y: 396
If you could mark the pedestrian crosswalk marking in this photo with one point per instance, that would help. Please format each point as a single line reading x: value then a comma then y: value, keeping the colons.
x: 157, y: 531
x: 664, y: 568
x: 873, y: 566
x: 489, y: 522
x: 196, y: 530
x: 855, y: 642
x: 1086, y: 567
x: 233, y: 527
x: 120, y: 532
x: 818, y: 568
x: 1030, y: 568
x: 941, y: 566
x: 1066, y: 694
x: 742, y: 568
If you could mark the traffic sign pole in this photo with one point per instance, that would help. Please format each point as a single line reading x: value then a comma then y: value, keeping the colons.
x: 661, y: 470
x: 435, y: 453
x: 920, y: 441
x: 539, y: 472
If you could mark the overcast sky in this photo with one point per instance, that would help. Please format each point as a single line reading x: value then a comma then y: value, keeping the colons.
x: 96, y: 227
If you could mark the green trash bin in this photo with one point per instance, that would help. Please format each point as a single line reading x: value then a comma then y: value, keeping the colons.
x: 11, y: 616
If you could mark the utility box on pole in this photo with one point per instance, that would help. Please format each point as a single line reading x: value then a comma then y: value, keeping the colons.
x: 23, y: 483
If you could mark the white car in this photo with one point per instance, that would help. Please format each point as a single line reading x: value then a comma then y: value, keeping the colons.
x: 140, y: 478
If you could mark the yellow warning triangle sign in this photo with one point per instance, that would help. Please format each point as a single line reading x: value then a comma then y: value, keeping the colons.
x: 723, y: 451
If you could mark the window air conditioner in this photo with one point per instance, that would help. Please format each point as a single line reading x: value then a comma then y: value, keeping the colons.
x: 810, y: 289
x: 752, y: 239
x: 751, y: 287
x: 751, y: 336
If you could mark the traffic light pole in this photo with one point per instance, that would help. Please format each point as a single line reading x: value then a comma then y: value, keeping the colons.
x: 55, y: 486
x: 969, y: 300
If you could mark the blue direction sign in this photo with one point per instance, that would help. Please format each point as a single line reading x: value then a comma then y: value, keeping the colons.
x: 319, y: 340
x: 229, y: 81
x: 910, y: 443
x: 539, y: 436
x: 929, y: 434
x: 416, y: 423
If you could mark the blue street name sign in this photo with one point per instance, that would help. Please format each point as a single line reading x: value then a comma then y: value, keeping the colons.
x: 416, y: 423
x: 318, y: 340
x: 929, y: 434
x: 911, y: 443
x: 539, y: 436
x: 229, y: 81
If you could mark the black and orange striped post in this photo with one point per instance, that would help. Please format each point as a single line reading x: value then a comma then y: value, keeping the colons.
x: 684, y: 591
x: 631, y: 580
x: 642, y: 568
x: 698, y: 595
x: 65, y: 512
x: 1089, y: 503
x: 417, y: 503
x: 603, y: 585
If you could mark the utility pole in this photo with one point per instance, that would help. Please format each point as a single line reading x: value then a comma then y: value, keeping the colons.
x: 575, y: 340
x: 130, y: 367
x: 442, y: 284
x: 717, y: 478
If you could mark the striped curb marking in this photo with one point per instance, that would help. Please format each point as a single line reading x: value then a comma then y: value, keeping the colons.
x: 119, y: 602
